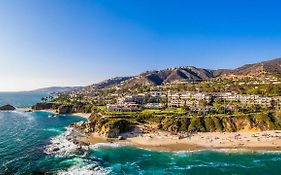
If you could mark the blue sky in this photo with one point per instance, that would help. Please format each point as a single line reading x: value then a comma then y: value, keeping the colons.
x: 80, y: 42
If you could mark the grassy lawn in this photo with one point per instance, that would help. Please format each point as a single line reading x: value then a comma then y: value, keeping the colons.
x: 165, y: 111
x: 151, y: 111
x: 121, y: 113
x: 102, y: 108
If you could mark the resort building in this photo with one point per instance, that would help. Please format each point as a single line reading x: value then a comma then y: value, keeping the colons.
x: 154, y: 106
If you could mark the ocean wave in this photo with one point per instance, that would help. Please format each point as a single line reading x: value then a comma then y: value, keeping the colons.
x: 111, y: 145
x: 230, y: 150
x: 219, y: 150
x: 209, y: 165
x: 23, y: 113
x: 64, y: 144
x: 27, y: 115
x: 83, y: 166
x: 12, y: 161
x: 56, y: 130
x: 184, y: 152
x: 84, y: 170
x: 52, y: 116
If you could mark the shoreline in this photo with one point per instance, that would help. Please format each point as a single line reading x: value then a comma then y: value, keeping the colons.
x: 164, y: 141
x: 83, y: 115
x: 233, y: 142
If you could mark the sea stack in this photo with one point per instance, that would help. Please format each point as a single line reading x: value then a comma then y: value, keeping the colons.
x: 7, y: 108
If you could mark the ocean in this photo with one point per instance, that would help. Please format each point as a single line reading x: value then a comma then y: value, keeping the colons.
x: 25, y: 138
x: 21, y: 99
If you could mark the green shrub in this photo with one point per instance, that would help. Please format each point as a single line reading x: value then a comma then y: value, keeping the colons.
x: 182, y: 124
x: 218, y: 123
x: 197, y: 125
x: 210, y: 124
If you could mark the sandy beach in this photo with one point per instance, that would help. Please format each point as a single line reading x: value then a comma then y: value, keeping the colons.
x: 266, y: 140
x: 164, y: 141
x: 84, y: 115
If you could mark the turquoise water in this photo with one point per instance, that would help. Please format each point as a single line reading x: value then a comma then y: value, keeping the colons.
x: 21, y: 99
x: 128, y: 160
x: 23, y: 137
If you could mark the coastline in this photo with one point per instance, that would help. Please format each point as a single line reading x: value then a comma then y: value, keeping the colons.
x: 219, y: 141
x: 165, y: 141
x: 83, y: 115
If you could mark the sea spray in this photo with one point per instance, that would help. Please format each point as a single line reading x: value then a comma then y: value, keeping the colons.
x: 82, y: 169
x: 65, y: 144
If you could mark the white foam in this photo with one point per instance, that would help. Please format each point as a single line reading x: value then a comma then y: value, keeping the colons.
x: 84, y: 170
x: 63, y: 145
x: 27, y: 115
x: 230, y: 150
x: 112, y: 145
x: 52, y: 130
x: 52, y: 116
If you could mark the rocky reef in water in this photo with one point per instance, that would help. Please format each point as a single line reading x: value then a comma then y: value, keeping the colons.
x: 7, y: 108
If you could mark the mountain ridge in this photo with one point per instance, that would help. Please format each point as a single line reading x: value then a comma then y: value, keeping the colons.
x: 192, y: 73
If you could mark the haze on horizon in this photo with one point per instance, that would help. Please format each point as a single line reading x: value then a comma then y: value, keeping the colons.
x: 68, y: 42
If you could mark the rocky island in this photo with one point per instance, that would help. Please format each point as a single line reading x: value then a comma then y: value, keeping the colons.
x: 7, y: 108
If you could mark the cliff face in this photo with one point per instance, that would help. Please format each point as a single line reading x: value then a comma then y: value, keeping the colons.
x: 109, y: 127
x: 226, y: 124
x: 42, y: 106
x: 65, y: 109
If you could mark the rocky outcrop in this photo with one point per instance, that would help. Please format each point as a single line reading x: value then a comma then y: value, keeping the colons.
x: 42, y: 106
x: 65, y: 109
x: 109, y: 127
x: 82, y: 108
x: 7, y: 108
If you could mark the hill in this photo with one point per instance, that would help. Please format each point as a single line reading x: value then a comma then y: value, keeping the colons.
x: 190, y: 73
x: 187, y: 74
x: 270, y: 67
x: 111, y: 82
x: 169, y: 76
